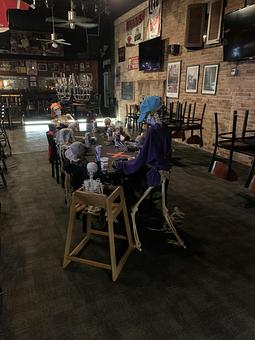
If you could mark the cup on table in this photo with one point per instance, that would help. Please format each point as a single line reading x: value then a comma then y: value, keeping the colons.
x: 104, y: 164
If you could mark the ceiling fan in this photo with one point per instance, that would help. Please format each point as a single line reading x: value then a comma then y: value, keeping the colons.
x: 73, y: 20
x: 54, y: 41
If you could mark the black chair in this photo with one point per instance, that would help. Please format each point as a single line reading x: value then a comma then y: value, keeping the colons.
x: 53, y: 156
x: 194, y: 124
x: 131, y: 119
x: 3, y: 134
x: 245, y: 144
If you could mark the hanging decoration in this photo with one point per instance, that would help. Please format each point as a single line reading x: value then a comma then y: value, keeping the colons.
x: 154, y: 19
x: 134, y: 29
x: 5, y: 5
x: 72, y: 88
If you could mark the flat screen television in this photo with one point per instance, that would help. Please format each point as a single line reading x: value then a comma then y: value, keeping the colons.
x: 150, y: 55
x: 239, y: 34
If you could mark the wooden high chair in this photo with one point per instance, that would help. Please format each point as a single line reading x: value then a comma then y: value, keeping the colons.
x: 113, y: 203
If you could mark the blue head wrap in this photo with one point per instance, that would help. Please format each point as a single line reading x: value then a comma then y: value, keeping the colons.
x: 150, y: 104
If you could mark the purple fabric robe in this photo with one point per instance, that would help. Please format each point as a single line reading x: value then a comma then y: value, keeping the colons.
x: 155, y: 154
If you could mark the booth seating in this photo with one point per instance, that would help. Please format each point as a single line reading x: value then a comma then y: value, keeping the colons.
x: 244, y: 144
x: 113, y: 202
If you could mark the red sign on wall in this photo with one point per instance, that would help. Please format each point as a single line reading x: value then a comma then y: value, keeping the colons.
x: 133, y: 63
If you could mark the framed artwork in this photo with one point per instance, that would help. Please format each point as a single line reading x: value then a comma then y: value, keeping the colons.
x: 51, y: 67
x: 122, y: 53
x: 173, y: 79
x: 117, y: 76
x: 192, y: 79
x: 127, y: 90
x: 210, y: 79
x: 31, y: 67
x: 42, y: 67
x: 56, y: 67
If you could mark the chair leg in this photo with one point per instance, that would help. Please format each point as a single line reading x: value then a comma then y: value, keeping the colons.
x: 57, y: 171
x: 213, y: 158
x: 126, y: 220
x: 251, y: 172
x: 52, y: 169
x: 3, y: 178
x: 201, y: 138
x: 62, y: 179
x: 66, y: 261
x: 112, y: 246
x: 230, y: 161
x: 6, y: 139
x: 2, y: 158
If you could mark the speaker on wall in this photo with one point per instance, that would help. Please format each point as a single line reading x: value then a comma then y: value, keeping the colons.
x: 173, y: 49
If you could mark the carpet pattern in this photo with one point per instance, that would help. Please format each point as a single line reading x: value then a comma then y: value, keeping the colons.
x: 204, y: 292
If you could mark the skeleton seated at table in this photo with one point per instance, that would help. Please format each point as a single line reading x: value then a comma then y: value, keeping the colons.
x: 152, y: 165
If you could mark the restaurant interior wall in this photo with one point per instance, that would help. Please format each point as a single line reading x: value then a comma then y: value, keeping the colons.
x: 233, y: 92
x: 34, y: 80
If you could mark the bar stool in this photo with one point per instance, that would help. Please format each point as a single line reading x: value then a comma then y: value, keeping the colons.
x: 113, y: 203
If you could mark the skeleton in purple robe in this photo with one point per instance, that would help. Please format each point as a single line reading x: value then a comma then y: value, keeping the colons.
x: 152, y: 164
x: 155, y: 154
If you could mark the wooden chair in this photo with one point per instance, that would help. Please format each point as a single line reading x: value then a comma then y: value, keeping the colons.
x: 113, y: 202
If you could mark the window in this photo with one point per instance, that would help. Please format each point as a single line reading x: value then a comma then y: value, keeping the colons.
x: 203, y: 25
x: 214, y: 22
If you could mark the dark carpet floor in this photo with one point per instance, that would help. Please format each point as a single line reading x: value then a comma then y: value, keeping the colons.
x: 204, y: 292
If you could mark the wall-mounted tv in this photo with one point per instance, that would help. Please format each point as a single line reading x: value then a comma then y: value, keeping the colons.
x: 150, y: 55
x: 239, y: 34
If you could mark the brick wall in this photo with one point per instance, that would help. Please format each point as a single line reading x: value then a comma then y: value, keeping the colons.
x: 233, y: 92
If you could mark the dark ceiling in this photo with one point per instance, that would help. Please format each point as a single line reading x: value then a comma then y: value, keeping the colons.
x: 82, y: 41
x: 35, y: 19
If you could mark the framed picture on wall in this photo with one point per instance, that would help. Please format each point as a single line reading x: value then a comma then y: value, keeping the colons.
x: 122, y: 52
x: 127, y: 90
x: 173, y: 79
x: 210, y: 79
x: 42, y: 67
x: 192, y: 79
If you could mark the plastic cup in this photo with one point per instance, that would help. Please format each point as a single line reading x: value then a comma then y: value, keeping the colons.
x: 104, y: 163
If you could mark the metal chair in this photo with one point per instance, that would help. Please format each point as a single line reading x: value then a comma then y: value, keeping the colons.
x: 244, y: 144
